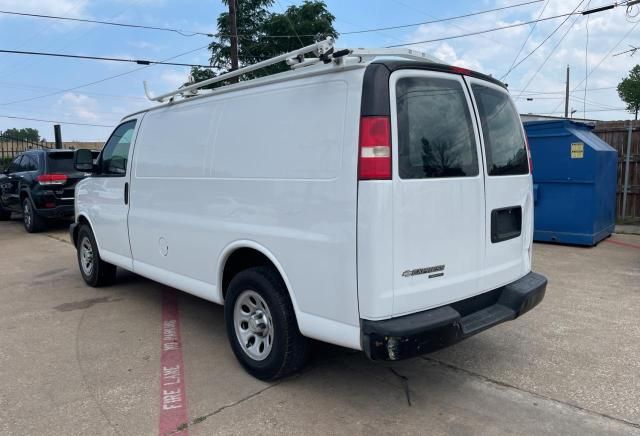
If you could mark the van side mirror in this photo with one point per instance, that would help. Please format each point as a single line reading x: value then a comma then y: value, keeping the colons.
x: 83, y: 160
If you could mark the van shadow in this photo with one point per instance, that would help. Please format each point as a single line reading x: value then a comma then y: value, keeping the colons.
x: 331, y: 371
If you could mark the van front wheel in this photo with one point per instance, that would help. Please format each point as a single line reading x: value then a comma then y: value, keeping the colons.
x: 95, y: 271
x: 261, y: 325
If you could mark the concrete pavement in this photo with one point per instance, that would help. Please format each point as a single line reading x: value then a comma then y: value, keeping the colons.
x: 78, y: 360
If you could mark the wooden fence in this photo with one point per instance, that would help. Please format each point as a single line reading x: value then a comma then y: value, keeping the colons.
x: 11, y: 147
x: 615, y: 133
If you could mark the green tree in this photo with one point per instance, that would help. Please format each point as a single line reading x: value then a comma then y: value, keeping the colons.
x: 27, y: 134
x: 263, y: 34
x: 629, y: 90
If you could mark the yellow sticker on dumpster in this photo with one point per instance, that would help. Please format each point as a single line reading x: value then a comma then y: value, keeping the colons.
x: 577, y: 150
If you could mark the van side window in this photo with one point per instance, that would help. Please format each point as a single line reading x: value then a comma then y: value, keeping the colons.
x: 502, y: 132
x: 435, y: 131
x: 113, y: 160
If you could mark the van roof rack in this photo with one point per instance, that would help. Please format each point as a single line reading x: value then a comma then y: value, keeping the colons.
x: 324, y: 51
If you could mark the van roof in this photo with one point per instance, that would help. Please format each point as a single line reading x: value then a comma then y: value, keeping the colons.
x: 394, y: 65
x: 376, y: 78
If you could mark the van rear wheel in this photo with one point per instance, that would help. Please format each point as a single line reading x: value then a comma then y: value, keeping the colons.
x: 261, y: 325
x: 95, y: 271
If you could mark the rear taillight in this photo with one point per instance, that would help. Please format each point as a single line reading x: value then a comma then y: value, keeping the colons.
x: 526, y: 143
x: 52, y: 179
x: 374, y: 161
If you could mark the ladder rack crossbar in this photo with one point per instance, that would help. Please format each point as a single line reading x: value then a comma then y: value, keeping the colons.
x: 320, y: 48
x: 405, y: 53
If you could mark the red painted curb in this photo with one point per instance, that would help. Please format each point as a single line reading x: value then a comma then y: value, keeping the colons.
x: 624, y: 244
x: 173, y: 396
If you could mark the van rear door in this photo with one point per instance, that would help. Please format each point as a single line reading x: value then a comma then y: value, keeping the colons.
x: 508, y: 185
x: 439, y: 228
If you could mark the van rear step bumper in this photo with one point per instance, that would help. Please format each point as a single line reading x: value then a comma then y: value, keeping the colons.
x: 431, y: 330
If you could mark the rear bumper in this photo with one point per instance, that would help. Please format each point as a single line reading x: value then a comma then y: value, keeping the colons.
x: 431, y: 330
x: 56, y: 212
x: 61, y: 207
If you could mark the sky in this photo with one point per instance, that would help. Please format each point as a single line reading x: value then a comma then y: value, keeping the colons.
x: 41, y: 87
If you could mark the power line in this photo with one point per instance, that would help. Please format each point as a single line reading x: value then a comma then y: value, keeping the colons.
x: 480, y: 32
x: 511, y: 26
x: 562, y: 92
x: 592, y: 110
x: 440, y: 20
x: 99, y: 94
x: 632, y: 50
x: 100, y: 58
x: 190, y: 33
x: 95, y: 82
x: 542, y: 43
x: 515, y: 59
x: 412, y: 7
x: 605, y: 57
x: 290, y: 23
x: 111, y: 23
x: 546, y: 59
x: 54, y: 121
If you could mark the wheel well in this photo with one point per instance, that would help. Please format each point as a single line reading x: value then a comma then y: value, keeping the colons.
x: 81, y: 221
x: 239, y: 260
x: 23, y: 195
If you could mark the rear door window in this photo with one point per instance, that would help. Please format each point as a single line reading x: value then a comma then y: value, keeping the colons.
x: 435, y: 132
x: 502, y: 132
x: 60, y: 162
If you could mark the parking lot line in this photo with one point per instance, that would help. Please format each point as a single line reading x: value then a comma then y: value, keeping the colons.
x: 173, y: 399
x: 623, y: 244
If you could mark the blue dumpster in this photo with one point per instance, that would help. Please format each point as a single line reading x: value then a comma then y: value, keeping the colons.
x: 574, y: 182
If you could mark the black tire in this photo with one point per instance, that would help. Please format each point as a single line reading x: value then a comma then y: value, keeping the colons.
x: 33, y: 223
x: 289, y: 348
x: 100, y: 273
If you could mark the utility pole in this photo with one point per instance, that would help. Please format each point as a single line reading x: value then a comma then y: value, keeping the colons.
x: 566, y: 96
x: 57, y: 134
x: 233, y: 38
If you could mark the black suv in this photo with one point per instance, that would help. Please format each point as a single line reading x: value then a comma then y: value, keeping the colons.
x: 40, y: 184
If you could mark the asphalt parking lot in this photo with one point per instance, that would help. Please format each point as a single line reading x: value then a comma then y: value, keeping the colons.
x: 78, y: 360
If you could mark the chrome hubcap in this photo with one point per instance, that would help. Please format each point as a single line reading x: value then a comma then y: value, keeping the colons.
x: 253, y: 325
x: 86, y: 256
x: 26, y: 212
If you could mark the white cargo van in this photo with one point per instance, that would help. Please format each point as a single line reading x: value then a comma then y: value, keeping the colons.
x: 380, y: 205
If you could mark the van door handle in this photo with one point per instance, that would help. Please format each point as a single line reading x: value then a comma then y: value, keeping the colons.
x: 126, y: 193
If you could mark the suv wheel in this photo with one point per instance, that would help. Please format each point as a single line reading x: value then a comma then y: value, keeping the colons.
x: 33, y: 223
x: 95, y: 271
x: 261, y: 325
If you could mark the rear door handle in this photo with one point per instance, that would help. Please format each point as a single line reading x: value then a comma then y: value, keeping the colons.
x: 126, y: 193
